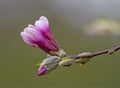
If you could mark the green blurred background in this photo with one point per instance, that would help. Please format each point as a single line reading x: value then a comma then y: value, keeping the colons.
x: 18, y: 60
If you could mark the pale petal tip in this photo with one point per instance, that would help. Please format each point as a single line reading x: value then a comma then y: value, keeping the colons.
x: 43, y: 18
x: 42, y: 23
x: 30, y: 25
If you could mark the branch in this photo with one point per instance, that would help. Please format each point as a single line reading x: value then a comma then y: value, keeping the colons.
x: 65, y: 60
x: 91, y: 55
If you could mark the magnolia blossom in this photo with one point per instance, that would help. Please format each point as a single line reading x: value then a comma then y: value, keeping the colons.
x: 40, y: 35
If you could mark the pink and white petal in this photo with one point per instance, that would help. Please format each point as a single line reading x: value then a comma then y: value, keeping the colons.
x: 32, y: 33
x: 51, y: 39
x: 47, y: 46
x: 28, y: 40
x: 42, y: 24
x: 44, y: 19
x: 31, y: 26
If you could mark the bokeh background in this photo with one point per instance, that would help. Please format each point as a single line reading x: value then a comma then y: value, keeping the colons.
x: 67, y: 18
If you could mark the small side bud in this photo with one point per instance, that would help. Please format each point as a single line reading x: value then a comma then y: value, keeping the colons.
x: 84, y: 55
x: 66, y: 61
x: 84, y: 58
x: 81, y: 61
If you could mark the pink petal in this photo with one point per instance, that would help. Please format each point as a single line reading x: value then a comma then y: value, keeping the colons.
x: 42, y: 24
x: 28, y: 40
x: 42, y: 71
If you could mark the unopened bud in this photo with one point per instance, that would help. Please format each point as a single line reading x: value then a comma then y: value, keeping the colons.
x: 66, y: 62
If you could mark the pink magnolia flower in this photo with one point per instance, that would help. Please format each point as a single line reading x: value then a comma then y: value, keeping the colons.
x: 40, y: 35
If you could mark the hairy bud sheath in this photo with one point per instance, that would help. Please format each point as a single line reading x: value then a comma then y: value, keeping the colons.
x: 48, y: 65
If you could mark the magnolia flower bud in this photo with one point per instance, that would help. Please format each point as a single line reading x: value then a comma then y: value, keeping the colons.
x: 40, y: 35
x: 66, y: 61
x: 82, y: 61
x: 48, y: 65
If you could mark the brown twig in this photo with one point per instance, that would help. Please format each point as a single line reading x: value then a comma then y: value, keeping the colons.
x: 91, y: 55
